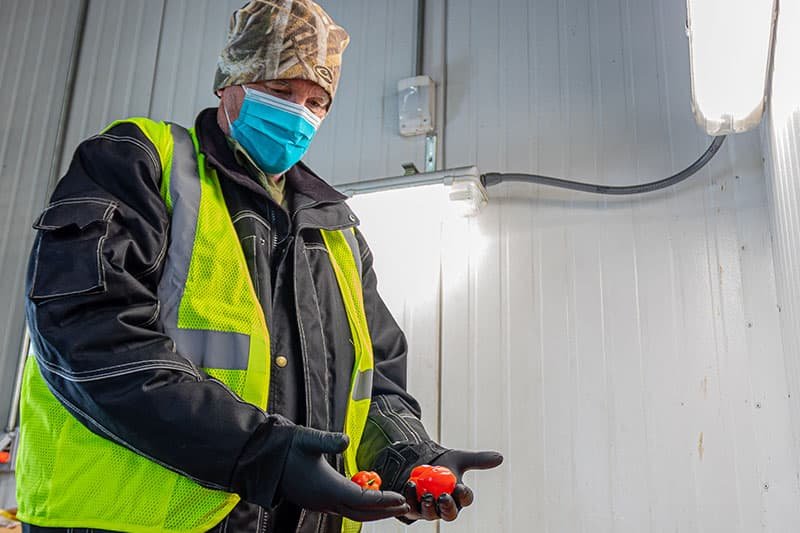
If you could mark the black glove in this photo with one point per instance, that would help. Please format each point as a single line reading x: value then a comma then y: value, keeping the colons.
x: 310, y: 482
x: 448, y: 506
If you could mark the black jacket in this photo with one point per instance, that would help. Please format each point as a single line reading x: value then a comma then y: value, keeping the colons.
x: 92, y: 306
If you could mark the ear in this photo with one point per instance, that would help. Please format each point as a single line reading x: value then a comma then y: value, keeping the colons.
x: 230, y: 103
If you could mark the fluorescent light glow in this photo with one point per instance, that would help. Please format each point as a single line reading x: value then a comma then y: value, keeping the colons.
x: 403, y: 228
x: 729, y: 46
x: 410, y: 231
x: 784, y: 100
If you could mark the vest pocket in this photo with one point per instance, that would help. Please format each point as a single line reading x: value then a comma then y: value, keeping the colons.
x: 68, y: 251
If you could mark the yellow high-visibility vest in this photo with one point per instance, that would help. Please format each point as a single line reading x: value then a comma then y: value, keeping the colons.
x: 68, y: 476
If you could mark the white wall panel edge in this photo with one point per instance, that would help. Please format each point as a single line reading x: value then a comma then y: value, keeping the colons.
x: 781, y: 139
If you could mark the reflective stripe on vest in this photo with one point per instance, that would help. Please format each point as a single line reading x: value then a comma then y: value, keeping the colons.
x: 212, y: 314
x: 70, y: 477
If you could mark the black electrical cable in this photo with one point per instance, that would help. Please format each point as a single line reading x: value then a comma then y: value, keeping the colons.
x: 494, y: 178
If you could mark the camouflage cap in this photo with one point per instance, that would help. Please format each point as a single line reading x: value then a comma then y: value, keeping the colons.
x: 282, y: 39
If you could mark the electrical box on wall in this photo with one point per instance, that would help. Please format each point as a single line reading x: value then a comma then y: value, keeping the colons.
x: 417, y: 109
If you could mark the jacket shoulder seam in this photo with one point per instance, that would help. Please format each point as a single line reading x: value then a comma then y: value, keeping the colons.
x: 154, y: 160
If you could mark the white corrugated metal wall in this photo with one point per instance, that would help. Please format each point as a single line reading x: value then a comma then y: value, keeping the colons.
x: 781, y: 134
x: 624, y: 355
x: 35, y: 43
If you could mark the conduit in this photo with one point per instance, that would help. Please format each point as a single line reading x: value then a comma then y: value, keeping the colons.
x: 494, y: 178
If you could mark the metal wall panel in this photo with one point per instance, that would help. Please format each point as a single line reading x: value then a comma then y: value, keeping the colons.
x: 7, y: 487
x: 115, y: 69
x: 624, y: 354
x: 157, y: 58
x: 781, y: 134
x: 193, y: 33
x: 360, y: 139
x: 35, y: 41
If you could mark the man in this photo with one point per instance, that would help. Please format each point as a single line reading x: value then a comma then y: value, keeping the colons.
x: 210, y: 350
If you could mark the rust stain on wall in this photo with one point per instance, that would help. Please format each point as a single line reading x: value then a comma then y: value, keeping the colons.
x: 700, y: 449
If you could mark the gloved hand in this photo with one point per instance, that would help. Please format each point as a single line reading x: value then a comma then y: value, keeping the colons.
x: 310, y: 482
x: 448, y: 506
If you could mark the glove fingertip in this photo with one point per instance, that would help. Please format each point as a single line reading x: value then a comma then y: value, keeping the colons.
x: 481, y: 460
x: 339, y: 442
x: 463, y: 496
x: 494, y: 458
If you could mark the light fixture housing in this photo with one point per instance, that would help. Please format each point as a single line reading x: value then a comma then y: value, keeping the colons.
x: 468, y: 195
x: 730, y: 45
x: 416, y: 106
x: 463, y: 185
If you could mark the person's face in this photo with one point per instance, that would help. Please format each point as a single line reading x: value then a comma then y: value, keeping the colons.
x: 302, y: 92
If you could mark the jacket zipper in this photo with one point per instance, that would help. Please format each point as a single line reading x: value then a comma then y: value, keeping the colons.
x: 274, y: 231
x: 263, y: 520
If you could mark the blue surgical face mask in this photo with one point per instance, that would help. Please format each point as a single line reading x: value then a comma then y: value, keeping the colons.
x: 276, y: 133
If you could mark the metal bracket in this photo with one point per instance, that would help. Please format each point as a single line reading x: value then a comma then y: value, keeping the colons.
x: 410, y: 169
x: 431, y: 146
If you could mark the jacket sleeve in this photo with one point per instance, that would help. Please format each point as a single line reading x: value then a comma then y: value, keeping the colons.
x: 394, y: 440
x: 93, y: 313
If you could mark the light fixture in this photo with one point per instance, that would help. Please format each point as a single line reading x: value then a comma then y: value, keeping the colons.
x: 730, y: 43
x: 464, y: 188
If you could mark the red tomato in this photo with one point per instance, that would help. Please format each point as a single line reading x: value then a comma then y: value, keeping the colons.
x: 436, y: 480
x: 367, y: 480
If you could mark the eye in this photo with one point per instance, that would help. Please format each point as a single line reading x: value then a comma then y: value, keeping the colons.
x: 318, y: 106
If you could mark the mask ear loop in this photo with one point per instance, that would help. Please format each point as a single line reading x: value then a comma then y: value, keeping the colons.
x: 225, y: 108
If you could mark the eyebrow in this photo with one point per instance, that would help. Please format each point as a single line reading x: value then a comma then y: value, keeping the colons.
x: 324, y: 96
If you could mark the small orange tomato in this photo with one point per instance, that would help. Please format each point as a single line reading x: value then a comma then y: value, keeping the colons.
x: 367, y: 480
x: 434, y: 480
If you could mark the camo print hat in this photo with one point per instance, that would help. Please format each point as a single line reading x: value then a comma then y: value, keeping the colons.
x: 282, y: 39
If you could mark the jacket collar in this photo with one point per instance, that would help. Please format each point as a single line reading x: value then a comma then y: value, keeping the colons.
x: 315, y: 205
